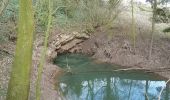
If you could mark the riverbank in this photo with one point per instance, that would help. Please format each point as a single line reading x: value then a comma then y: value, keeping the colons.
x: 119, y: 50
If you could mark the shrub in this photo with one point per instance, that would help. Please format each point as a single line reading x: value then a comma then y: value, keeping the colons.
x: 166, y: 29
x: 70, y: 14
x: 79, y: 14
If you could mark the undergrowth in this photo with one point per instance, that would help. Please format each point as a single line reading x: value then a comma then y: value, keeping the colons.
x: 166, y: 29
x: 69, y: 14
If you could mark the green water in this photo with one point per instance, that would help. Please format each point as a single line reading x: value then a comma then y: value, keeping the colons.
x: 92, y: 80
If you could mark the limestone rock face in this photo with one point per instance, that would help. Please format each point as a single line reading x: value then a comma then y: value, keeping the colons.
x: 64, y: 42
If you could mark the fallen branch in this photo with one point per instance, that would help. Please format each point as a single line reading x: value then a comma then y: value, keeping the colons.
x: 159, y: 96
x: 129, y: 69
x: 163, y: 69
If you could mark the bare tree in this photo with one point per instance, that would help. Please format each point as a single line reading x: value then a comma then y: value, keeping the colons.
x: 133, y: 25
x: 154, y: 5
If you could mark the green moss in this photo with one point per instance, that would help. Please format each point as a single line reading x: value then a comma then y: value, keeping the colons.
x: 18, y: 88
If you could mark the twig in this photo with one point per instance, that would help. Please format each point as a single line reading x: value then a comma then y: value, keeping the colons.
x: 146, y: 69
x: 6, y: 51
x: 128, y: 69
x: 58, y: 9
x: 147, y: 98
x: 3, y: 6
x: 159, y: 96
x: 68, y: 67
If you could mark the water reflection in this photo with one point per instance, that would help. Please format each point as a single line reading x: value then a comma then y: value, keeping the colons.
x: 80, y: 87
x: 94, y: 81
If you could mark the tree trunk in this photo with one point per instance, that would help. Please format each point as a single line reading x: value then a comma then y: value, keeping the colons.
x: 43, y: 55
x: 19, y: 84
x: 146, y: 90
x: 133, y: 26
x: 154, y: 4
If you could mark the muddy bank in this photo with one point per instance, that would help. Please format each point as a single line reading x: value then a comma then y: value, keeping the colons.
x: 116, y: 48
x: 59, y: 42
x: 119, y: 49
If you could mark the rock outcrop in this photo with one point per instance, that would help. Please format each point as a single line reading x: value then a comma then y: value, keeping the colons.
x: 64, y: 42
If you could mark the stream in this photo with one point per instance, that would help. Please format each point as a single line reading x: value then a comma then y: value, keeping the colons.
x: 89, y: 79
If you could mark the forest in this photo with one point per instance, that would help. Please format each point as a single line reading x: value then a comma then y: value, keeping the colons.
x: 84, y: 49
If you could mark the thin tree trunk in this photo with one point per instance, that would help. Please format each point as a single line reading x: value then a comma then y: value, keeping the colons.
x: 146, y: 90
x: 108, y: 89
x: 130, y: 90
x: 133, y: 26
x: 19, y: 84
x: 42, y: 60
x: 153, y: 27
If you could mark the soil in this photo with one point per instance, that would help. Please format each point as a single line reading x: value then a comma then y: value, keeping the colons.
x: 114, y: 45
x: 115, y: 48
x: 58, y: 42
x: 119, y: 49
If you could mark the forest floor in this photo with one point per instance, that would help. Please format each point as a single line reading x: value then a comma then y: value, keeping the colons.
x: 116, y: 45
x: 113, y: 46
